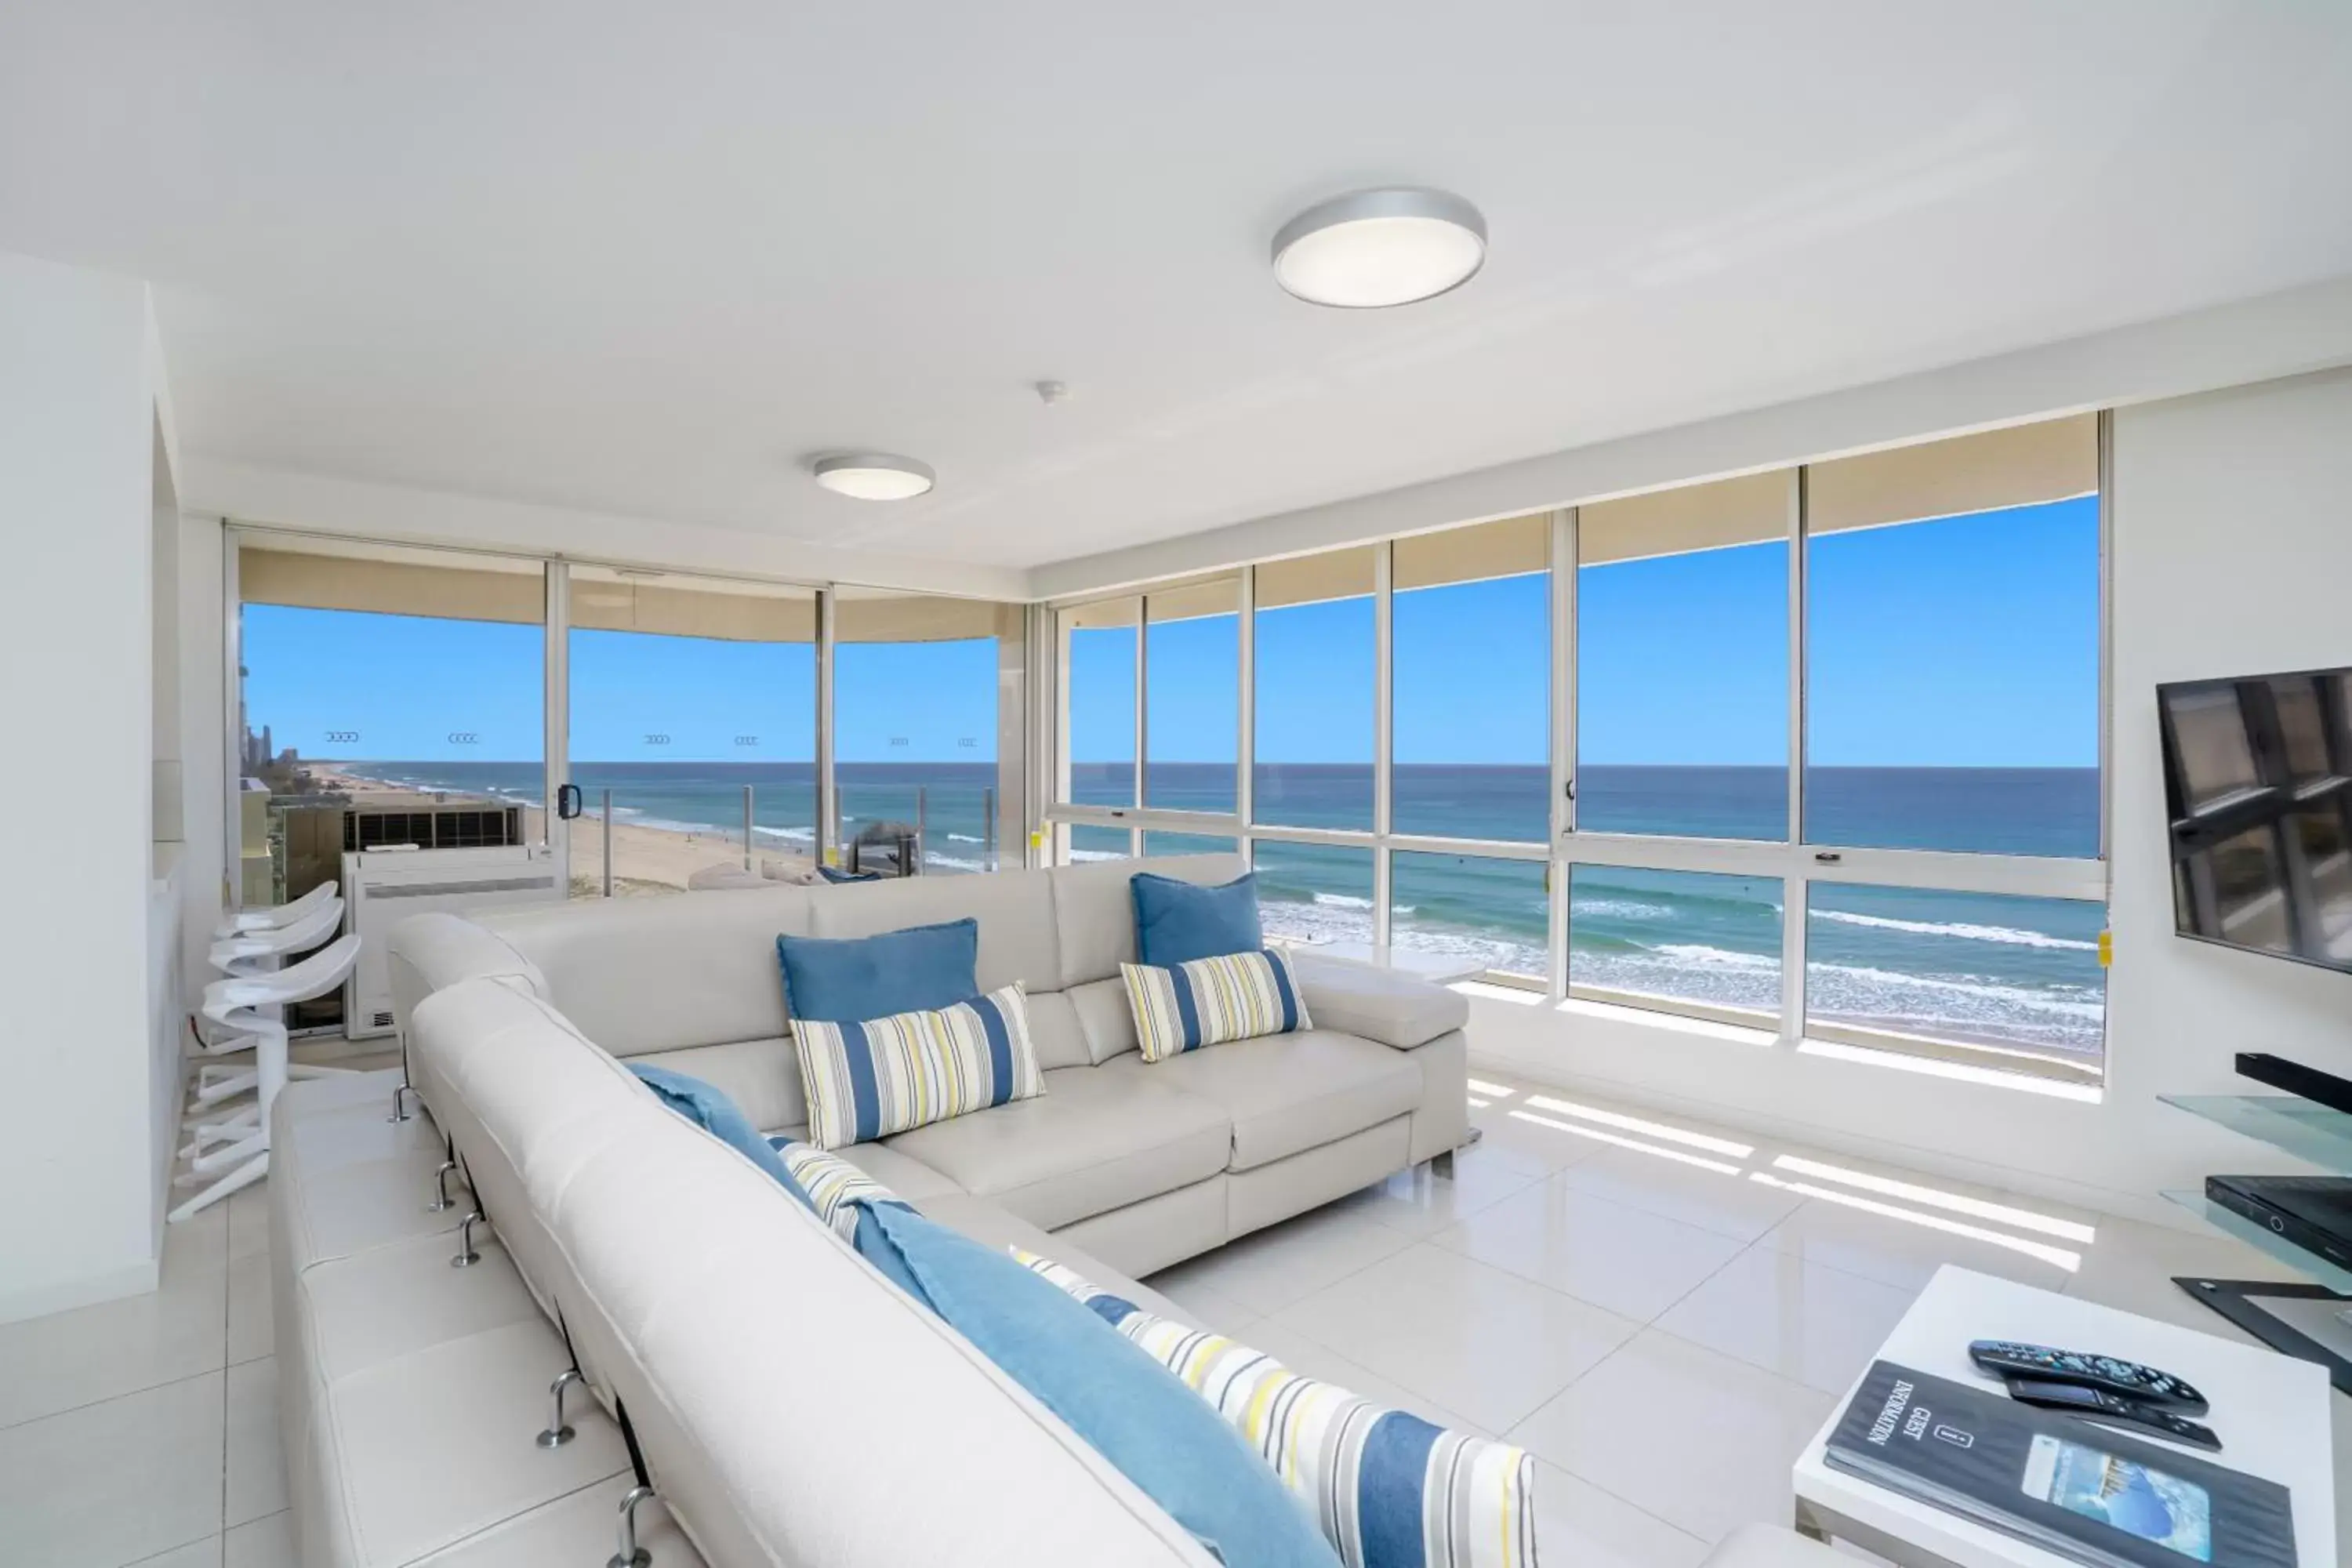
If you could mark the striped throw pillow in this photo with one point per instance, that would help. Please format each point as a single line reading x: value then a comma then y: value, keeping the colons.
x: 1213, y: 1000
x: 868, y: 1080
x: 835, y: 1189
x: 1388, y: 1488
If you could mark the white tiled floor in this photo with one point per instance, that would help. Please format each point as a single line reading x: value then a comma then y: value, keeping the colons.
x: 1580, y: 1295
x: 146, y: 1430
x: 1572, y: 1294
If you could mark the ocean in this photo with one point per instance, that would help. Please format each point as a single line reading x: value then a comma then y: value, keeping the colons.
x: 1966, y: 967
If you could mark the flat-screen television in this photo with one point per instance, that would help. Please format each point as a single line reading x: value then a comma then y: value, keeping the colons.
x: 2258, y: 786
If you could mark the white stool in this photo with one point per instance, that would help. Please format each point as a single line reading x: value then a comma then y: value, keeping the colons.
x: 243, y: 957
x: 276, y: 915
x: 253, y: 1004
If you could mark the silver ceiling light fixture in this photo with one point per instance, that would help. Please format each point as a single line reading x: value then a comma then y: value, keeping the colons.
x: 1374, y: 248
x: 874, y: 475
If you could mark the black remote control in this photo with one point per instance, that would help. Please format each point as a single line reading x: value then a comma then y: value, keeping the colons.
x: 2098, y: 1404
x: 2008, y: 1358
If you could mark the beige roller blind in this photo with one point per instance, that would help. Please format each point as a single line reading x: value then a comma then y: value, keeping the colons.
x: 1192, y: 601
x: 410, y: 584
x: 863, y: 616
x: 1317, y: 579
x: 1744, y: 510
x: 2019, y: 467
x: 1103, y: 614
x: 674, y: 604
x: 1509, y: 548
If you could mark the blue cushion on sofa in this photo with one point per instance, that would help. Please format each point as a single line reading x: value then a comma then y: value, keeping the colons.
x: 709, y: 1109
x: 835, y: 874
x: 849, y: 981
x: 1165, y: 1439
x: 1177, y: 921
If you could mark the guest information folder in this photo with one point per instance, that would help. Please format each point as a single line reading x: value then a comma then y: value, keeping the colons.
x: 2082, y: 1491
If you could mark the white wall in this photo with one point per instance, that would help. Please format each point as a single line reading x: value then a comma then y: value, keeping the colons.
x: 203, y: 731
x: 78, y: 378
x: 2233, y: 556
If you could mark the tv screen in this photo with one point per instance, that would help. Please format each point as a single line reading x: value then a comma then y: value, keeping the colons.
x: 2258, y: 785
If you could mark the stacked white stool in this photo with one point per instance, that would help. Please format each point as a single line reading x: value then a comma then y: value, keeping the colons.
x: 228, y: 1145
x: 241, y: 956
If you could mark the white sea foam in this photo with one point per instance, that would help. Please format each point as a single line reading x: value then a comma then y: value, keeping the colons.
x: 1960, y: 929
x: 2067, y: 1001
x: 1342, y: 901
x: 1621, y: 909
x: 1718, y: 958
x: 965, y: 838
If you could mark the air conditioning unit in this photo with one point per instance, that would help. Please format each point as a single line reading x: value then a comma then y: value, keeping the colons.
x: 382, y: 888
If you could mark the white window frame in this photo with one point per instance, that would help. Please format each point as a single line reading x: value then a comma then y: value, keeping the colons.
x: 1013, y: 762
x: 1797, y: 864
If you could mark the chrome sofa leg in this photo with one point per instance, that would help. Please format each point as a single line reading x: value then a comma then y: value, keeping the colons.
x: 466, y: 1257
x: 400, y: 1113
x: 557, y: 1433
x: 441, y: 1188
x: 631, y: 1554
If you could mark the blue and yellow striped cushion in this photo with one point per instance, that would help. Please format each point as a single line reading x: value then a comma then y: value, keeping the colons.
x: 868, y: 1080
x: 1213, y: 1000
x: 1388, y: 1488
x: 834, y: 1188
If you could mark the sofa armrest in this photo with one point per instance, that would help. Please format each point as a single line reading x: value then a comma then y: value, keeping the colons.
x: 430, y: 953
x: 1398, y: 1010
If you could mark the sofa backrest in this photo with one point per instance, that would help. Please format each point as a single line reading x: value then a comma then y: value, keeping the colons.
x: 694, y: 975
x: 792, y: 1405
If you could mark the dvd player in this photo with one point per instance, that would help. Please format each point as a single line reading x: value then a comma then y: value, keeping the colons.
x: 2314, y: 1213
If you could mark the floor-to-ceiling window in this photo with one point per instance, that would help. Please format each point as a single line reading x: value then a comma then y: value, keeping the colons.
x: 386, y: 696
x: 922, y: 689
x: 1448, y: 860
x: 396, y: 695
x: 1814, y: 753
x: 692, y: 723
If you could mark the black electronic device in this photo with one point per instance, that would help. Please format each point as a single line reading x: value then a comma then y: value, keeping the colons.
x: 2322, y: 1088
x: 2007, y: 1359
x: 2114, y: 1409
x: 2314, y: 1213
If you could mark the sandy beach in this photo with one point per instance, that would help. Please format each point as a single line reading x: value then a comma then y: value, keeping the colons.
x: 644, y: 859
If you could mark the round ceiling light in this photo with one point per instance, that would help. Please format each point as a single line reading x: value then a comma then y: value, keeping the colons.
x: 874, y: 475
x: 1372, y: 248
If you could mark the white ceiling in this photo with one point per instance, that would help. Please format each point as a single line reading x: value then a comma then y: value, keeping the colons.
x: 646, y: 259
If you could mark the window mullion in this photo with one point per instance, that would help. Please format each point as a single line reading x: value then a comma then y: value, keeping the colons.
x: 1563, y: 739
x: 1793, y: 887
x: 1383, y: 741
x: 1246, y: 744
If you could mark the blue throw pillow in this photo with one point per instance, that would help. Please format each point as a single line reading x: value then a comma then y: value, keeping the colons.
x: 835, y: 874
x: 1176, y: 921
x: 919, y: 970
x: 709, y: 1109
x: 1154, y: 1429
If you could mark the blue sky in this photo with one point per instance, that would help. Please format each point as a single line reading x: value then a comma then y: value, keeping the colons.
x: 406, y: 684
x: 1965, y: 642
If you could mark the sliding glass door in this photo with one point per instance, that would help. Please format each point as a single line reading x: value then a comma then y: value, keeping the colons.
x: 692, y: 723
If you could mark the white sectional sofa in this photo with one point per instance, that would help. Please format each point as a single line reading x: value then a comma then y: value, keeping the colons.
x: 789, y: 1406
x: 1140, y: 1163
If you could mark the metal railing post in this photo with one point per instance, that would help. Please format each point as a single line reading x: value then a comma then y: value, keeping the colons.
x: 922, y: 829
x: 608, y: 844
x: 746, y: 827
x: 988, y: 827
